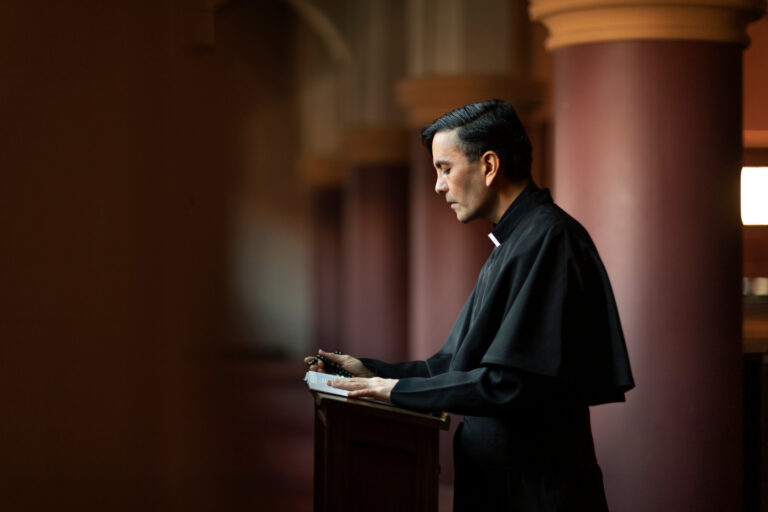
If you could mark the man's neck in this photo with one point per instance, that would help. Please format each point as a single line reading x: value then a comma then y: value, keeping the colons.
x: 505, y: 196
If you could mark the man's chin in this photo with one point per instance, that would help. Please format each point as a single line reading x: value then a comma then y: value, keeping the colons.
x: 463, y: 216
x: 464, y: 219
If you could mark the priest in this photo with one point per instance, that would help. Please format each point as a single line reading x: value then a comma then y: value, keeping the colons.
x: 537, y: 342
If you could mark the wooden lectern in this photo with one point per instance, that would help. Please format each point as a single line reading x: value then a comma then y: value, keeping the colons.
x: 374, y: 457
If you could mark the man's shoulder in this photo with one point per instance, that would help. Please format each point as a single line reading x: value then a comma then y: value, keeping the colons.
x: 548, y: 225
x: 549, y: 218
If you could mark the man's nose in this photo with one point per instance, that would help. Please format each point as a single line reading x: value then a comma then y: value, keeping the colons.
x: 441, y: 187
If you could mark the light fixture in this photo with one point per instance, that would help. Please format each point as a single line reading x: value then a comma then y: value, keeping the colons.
x: 754, y: 196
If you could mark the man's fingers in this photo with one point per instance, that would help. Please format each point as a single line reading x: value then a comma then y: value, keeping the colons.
x: 315, y: 365
x: 312, y: 361
x: 329, y: 355
x: 362, y: 387
x: 349, y: 384
x: 336, y: 358
x: 373, y: 387
x: 369, y: 392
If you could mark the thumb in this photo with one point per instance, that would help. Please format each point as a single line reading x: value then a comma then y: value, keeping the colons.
x: 330, y: 355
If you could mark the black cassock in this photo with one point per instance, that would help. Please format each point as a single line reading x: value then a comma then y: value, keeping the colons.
x: 537, y: 342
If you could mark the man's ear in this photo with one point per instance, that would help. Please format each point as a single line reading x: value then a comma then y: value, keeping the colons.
x: 491, y: 167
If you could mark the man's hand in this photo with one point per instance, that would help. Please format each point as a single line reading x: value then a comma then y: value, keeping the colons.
x: 373, y: 387
x: 347, y: 362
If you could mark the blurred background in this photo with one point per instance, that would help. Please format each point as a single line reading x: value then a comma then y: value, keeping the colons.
x: 197, y: 193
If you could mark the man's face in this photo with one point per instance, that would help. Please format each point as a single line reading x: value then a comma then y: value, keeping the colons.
x: 461, y: 181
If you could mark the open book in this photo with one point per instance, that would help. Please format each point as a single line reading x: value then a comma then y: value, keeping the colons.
x: 319, y: 382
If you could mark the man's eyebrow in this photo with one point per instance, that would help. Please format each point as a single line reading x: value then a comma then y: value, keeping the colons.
x: 440, y: 163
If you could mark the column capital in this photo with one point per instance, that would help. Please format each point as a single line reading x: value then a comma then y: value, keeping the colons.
x: 755, y: 138
x: 573, y: 22
x: 321, y: 171
x: 375, y: 145
x: 425, y: 99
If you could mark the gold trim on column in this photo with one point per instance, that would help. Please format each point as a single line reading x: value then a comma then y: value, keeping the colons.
x: 589, y: 21
x: 756, y: 138
x: 322, y: 171
x: 373, y: 146
x: 425, y: 99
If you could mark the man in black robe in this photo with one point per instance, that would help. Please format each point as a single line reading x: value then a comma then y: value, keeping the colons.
x: 537, y: 342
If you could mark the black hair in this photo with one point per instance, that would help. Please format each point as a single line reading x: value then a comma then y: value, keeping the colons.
x: 490, y: 125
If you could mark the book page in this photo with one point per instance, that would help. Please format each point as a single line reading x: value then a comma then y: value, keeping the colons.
x: 319, y: 382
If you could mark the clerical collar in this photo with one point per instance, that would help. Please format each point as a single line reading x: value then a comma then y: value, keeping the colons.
x: 530, y: 197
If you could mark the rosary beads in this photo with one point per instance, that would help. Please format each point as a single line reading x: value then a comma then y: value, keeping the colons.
x: 333, y: 368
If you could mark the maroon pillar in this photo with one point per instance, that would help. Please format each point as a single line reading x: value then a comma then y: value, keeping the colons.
x: 376, y: 269
x: 647, y: 157
x: 327, y: 271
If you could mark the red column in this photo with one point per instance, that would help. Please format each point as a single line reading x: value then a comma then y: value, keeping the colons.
x: 324, y: 176
x: 375, y: 235
x: 376, y: 270
x: 647, y: 157
x: 647, y: 114
x: 327, y: 269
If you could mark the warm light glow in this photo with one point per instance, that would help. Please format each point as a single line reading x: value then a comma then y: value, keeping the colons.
x: 754, y: 195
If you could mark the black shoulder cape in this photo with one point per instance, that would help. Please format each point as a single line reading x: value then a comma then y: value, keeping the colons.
x: 543, y: 304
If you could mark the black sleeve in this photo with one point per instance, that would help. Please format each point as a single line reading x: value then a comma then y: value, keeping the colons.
x: 396, y: 370
x: 435, y: 365
x: 490, y: 390
x: 484, y: 391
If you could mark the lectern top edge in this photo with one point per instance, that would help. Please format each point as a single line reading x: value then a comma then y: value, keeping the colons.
x: 437, y: 420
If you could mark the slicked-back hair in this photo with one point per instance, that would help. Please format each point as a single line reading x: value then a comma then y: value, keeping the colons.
x: 490, y: 125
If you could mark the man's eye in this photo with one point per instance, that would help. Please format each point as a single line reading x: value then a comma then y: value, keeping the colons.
x: 446, y: 171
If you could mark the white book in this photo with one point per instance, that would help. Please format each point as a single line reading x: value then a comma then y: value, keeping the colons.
x: 319, y: 382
